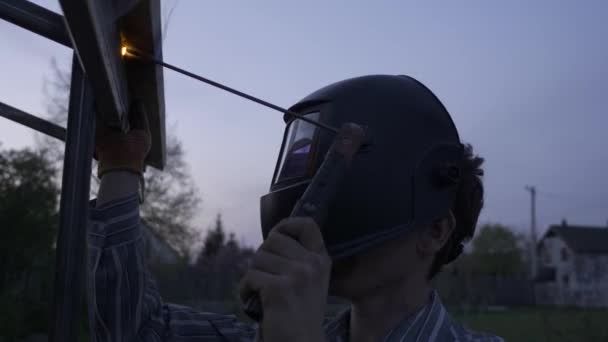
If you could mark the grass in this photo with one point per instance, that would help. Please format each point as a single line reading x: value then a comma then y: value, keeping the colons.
x: 522, y: 325
x: 534, y: 324
x: 540, y: 325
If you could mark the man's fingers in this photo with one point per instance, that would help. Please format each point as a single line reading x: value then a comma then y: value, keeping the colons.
x: 254, y: 282
x: 271, y: 263
x: 305, y: 230
x: 284, y: 245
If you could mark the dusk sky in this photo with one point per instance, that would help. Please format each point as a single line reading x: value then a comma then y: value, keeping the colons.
x: 525, y: 82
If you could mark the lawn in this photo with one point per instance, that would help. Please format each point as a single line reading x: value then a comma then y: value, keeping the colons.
x: 540, y: 325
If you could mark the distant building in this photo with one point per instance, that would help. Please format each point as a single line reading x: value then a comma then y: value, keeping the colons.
x: 573, y: 266
x: 157, y: 250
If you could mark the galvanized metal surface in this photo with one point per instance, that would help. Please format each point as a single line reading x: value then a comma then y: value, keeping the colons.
x: 74, y: 213
x: 141, y: 28
x: 96, y: 40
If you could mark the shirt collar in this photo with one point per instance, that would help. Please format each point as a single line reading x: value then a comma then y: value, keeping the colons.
x: 423, y: 325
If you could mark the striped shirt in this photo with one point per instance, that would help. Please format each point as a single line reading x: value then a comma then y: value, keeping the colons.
x: 125, y: 305
x: 431, y: 323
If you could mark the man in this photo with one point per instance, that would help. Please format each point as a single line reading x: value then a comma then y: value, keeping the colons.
x: 411, y: 197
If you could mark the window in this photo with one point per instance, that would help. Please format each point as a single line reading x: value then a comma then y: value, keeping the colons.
x: 564, y: 254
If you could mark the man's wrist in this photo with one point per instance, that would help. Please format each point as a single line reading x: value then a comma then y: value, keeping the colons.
x: 117, y: 184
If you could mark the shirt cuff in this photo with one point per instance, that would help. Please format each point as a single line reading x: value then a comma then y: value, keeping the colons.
x: 116, y: 222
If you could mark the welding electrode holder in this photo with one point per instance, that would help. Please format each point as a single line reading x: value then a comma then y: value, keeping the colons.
x: 322, y: 189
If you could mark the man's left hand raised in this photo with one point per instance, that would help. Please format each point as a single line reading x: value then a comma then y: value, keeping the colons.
x: 290, y: 274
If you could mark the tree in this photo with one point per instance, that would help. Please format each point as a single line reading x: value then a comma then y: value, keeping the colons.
x: 171, y: 196
x: 28, y: 210
x: 232, y: 244
x: 220, y: 264
x: 29, y: 220
x: 215, y: 239
x: 497, y: 251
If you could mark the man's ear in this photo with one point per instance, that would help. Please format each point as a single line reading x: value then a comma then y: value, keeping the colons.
x: 436, y: 235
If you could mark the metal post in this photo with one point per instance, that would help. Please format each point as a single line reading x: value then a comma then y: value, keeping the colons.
x: 532, y: 191
x: 71, y: 240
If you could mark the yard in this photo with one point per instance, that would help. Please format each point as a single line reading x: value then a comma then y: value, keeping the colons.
x: 534, y: 324
x: 540, y: 325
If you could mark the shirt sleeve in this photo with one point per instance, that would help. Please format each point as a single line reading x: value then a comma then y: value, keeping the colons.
x: 124, y: 302
x: 123, y: 299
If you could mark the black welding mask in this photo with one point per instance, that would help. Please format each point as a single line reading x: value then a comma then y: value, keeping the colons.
x: 406, y: 175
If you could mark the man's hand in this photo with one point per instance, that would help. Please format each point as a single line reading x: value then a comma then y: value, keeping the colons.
x: 118, y: 151
x: 290, y: 273
x: 121, y: 156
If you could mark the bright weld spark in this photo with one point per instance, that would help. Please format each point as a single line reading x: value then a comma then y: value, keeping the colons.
x: 124, y: 51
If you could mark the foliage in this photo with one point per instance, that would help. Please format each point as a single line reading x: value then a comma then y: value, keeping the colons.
x: 28, y: 217
x: 28, y: 211
x: 172, y: 199
x: 493, y: 273
x: 497, y: 251
x: 215, y: 239
x: 211, y: 282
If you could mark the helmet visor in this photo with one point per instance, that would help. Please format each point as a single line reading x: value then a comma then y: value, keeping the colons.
x: 298, y: 152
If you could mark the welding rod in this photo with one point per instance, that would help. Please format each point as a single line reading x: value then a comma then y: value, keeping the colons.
x: 130, y: 51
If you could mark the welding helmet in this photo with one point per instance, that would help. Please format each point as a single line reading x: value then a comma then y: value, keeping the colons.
x: 406, y: 175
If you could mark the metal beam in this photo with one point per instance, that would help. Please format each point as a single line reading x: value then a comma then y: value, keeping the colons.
x: 74, y: 213
x: 33, y: 122
x: 36, y: 19
x: 92, y: 27
x: 141, y: 28
x: 97, y: 33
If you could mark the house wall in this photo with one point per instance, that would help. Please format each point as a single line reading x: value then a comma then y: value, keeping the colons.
x: 591, y: 274
x: 551, y: 256
x: 580, y: 280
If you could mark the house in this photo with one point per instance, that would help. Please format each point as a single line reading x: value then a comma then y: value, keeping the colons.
x: 573, y: 268
x: 157, y: 250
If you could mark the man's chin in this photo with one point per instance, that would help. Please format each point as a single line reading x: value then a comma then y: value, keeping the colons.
x: 341, y: 279
x: 340, y: 283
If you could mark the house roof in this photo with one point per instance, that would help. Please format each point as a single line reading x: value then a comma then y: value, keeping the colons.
x: 591, y: 240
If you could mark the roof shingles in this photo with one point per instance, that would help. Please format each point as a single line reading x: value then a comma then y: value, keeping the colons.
x: 587, y: 240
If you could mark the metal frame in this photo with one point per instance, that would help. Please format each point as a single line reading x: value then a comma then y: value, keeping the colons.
x: 101, y: 82
x: 92, y: 28
x: 98, y: 30
x: 74, y: 205
x: 36, y: 19
x: 32, y: 122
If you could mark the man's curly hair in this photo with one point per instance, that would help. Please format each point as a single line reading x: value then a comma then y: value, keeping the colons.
x: 466, y: 209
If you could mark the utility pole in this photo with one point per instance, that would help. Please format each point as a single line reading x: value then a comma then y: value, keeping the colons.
x: 532, y: 190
